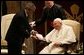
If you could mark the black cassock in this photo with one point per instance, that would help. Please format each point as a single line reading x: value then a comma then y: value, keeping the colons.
x: 50, y: 14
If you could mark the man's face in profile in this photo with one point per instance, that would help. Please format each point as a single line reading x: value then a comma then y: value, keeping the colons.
x: 30, y: 8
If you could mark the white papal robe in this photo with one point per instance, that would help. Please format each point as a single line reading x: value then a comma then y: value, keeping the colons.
x: 65, y: 36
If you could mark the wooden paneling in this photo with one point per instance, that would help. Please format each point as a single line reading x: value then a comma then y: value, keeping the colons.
x: 13, y: 6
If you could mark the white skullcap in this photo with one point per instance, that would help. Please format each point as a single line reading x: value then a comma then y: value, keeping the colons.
x: 58, y: 19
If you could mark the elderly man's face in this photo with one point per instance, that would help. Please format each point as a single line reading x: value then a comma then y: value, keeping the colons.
x: 49, y: 4
x: 57, y: 25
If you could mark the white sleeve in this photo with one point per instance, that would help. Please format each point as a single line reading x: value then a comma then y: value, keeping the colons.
x: 39, y: 36
x: 47, y: 37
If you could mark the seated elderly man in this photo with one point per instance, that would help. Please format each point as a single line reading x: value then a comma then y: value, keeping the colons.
x: 61, y: 34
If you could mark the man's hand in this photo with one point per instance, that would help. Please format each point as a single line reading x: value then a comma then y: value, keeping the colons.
x: 32, y: 24
x: 33, y: 32
x: 33, y: 37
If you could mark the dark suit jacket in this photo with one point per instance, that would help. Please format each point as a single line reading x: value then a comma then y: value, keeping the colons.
x: 19, y: 28
x: 51, y: 13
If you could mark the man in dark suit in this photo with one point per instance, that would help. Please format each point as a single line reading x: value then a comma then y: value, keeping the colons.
x: 19, y: 29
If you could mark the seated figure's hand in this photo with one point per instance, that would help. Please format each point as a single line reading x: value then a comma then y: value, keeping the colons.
x: 39, y: 36
x: 32, y: 24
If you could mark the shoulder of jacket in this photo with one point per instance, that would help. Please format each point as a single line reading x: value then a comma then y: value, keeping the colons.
x: 57, y: 5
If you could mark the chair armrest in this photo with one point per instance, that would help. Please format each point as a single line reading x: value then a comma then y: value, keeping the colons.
x: 3, y: 42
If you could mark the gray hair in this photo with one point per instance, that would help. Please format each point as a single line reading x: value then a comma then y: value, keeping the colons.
x: 30, y: 5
